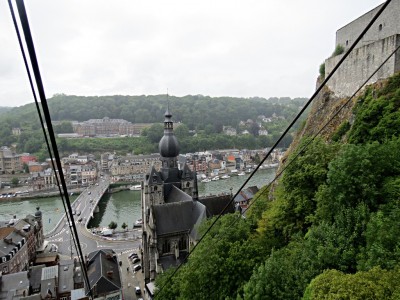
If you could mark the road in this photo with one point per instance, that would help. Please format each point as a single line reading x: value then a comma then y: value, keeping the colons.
x: 83, y: 208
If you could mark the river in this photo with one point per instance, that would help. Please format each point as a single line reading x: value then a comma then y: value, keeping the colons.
x: 121, y: 207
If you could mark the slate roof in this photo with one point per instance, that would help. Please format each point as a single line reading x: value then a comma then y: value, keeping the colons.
x: 177, y: 195
x: 216, y: 204
x: 35, y: 276
x: 13, y: 285
x: 178, y: 217
x: 154, y: 177
x: 99, y: 264
x: 66, y: 276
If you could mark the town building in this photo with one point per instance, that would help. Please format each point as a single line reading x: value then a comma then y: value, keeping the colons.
x: 9, y: 161
x: 133, y: 167
x: 19, y: 239
x: 104, y: 275
x: 108, y: 127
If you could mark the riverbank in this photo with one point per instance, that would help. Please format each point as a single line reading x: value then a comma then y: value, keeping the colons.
x: 35, y: 194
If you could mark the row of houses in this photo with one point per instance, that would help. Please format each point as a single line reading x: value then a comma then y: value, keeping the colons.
x: 11, y: 162
x: 19, y: 240
x: 64, y: 280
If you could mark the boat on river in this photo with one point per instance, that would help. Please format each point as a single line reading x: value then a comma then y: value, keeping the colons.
x: 206, y: 180
x: 137, y: 187
x: 241, y: 174
x: 225, y: 176
x: 215, y: 178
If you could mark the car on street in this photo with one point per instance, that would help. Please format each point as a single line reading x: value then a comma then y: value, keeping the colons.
x: 137, y: 290
x: 132, y: 255
x: 135, y: 260
x: 89, y: 192
x: 137, y: 268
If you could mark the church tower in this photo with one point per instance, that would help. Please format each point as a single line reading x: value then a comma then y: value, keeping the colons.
x: 169, y: 213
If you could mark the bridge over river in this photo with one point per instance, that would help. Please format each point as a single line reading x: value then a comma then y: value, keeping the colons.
x: 84, y: 207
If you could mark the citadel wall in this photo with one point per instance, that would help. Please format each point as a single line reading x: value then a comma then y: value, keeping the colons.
x: 386, y: 25
x: 361, y: 63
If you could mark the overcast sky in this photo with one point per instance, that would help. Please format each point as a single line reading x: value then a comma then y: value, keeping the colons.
x: 243, y: 48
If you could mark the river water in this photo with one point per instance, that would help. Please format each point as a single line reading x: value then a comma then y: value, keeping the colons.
x: 121, y: 207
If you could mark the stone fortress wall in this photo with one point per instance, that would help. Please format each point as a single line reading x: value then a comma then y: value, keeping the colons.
x: 377, y: 44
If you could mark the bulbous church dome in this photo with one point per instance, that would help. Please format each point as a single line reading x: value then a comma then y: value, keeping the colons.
x: 168, y: 146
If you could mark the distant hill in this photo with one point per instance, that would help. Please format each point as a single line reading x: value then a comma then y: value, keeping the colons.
x: 4, y: 109
x: 196, y: 112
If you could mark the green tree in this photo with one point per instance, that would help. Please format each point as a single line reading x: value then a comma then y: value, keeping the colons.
x: 14, y: 181
x: 112, y: 225
x: 374, y: 284
x: 154, y: 133
x: 124, y: 226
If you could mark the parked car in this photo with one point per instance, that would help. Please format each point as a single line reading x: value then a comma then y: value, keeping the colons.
x: 137, y: 290
x: 137, y: 268
x: 135, y: 260
x: 132, y: 255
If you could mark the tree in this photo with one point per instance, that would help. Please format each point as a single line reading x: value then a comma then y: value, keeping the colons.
x: 124, y: 226
x: 154, y: 133
x: 14, y: 181
x: 374, y: 284
x: 112, y: 225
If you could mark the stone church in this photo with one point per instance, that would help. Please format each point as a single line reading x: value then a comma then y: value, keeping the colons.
x: 171, y: 211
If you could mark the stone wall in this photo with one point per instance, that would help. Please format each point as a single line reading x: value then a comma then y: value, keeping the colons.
x: 361, y: 63
x: 386, y: 25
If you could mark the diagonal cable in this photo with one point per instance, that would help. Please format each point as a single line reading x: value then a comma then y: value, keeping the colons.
x: 38, y: 111
x: 39, y: 84
x: 383, y: 7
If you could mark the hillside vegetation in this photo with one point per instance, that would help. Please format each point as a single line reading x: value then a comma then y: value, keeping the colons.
x: 329, y: 229
x: 205, y: 115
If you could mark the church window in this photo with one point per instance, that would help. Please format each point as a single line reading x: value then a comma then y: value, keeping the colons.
x: 347, y: 42
x: 182, y: 243
x: 155, y: 188
x: 380, y: 27
x: 166, y: 248
x: 188, y: 184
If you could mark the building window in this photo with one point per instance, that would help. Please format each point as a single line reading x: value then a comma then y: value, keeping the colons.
x: 182, y: 244
x: 347, y: 42
x: 166, y: 248
x: 380, y: 27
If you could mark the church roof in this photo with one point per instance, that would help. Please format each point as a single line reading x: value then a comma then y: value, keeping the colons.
x: 177, y: 195
x: 154, y: 177
x: 178, y: 217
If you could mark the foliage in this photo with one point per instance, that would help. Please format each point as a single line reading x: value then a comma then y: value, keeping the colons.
x: 339, y: 49
x: 356, y: 176
x: 292, y: 210
x: 322, y: 70
x: 377, y: 114
x: 374, y: 284
x: 341, y: 131
x: 154, y: 133
x: 383, y: 235
x: 201, y: 113
x: 112, y: 225
x: 63, y: 127
x: 14, y: 181
x: 124, y: 226
x: 220, y: 265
